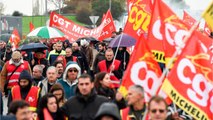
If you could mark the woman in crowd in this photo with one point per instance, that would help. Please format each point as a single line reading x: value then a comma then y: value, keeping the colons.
x: 49, y: 109
x: 103, y: 85
x: 58, y: 91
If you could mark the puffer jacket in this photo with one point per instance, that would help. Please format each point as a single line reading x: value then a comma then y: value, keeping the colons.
x: 80, y: 108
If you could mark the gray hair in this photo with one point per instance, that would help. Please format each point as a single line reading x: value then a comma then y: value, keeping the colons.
x: 138, y: 88
x: 39, y: 67
x: 52, y: 67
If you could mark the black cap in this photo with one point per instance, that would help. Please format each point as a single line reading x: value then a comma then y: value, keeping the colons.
x: 25, y: 75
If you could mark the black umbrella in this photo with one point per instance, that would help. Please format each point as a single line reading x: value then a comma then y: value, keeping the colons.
x: 33, y: 47
x: 5, y: 37
x: 89, y: 39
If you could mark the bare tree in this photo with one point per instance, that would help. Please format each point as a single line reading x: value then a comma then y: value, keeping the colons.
x: 57, y: 3
x: 36, y: 8
x: 2, y: 7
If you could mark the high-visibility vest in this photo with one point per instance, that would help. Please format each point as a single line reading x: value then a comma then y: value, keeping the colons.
x: 103, y: 68
x: 32, y: 96
x: 126, y: 116
x: 13, y: 81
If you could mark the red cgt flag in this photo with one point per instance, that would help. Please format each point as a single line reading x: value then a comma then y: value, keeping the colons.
x: 190, y: 83
x: 138, y: 18
x: 109, y: 26
x: 31, y: 26
x: 155, y: 37
x: 174, y: 30
x: 14, y: 39
x: 187, y: 19
x: 129, y: 4
x: 142, y: 70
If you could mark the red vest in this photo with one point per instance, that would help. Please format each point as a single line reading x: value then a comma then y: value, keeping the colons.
x: 103, y: 68
x: 32, y: 96
x: 125, y: 114
x: 14, y: 78
x: 74, y: 59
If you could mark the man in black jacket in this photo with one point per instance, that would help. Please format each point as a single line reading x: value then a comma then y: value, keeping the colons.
x: 39, y: 59
x: 81, y: 57
x: 86, y: 103
x: 37, y: 74
x: 100, y: 56
x: 5, y: 56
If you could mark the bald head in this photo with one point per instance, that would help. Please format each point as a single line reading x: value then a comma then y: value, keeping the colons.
x: 75, y: 46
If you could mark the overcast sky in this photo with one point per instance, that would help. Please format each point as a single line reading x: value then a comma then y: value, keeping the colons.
x: 25, y: 6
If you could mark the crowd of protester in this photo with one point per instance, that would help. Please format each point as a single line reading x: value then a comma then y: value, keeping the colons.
x: 73, y: 81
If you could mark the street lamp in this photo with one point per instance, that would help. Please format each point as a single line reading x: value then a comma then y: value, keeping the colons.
x: 110, y: 3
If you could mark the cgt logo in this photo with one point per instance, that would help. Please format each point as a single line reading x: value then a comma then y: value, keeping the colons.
x: 174, y: 36
x: 140, y: 74
x: 31, y: 99
x: 139, y: 17
x: 61, y: 21
x: 201, y: 88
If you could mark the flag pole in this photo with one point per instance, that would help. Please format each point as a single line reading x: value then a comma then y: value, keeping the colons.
x: 166, y: 70
x: 116, y: 52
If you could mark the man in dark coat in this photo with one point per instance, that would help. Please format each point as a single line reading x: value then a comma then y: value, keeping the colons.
x: 40, y: 59
x: 70, y: 57
x: 123, y: 56
x: 2, y: 48
x: 7, y: 54
x: 37, y: 74
x: 100, y: 56
x: 81, y: 57
x: 86, y: 103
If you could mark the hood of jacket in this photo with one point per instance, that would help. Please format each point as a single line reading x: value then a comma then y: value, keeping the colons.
x: 108, y: 109
x: 71, y: 65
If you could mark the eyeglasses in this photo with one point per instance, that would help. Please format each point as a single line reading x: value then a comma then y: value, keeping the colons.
x: 160, y: 110
x: 73, y: 70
